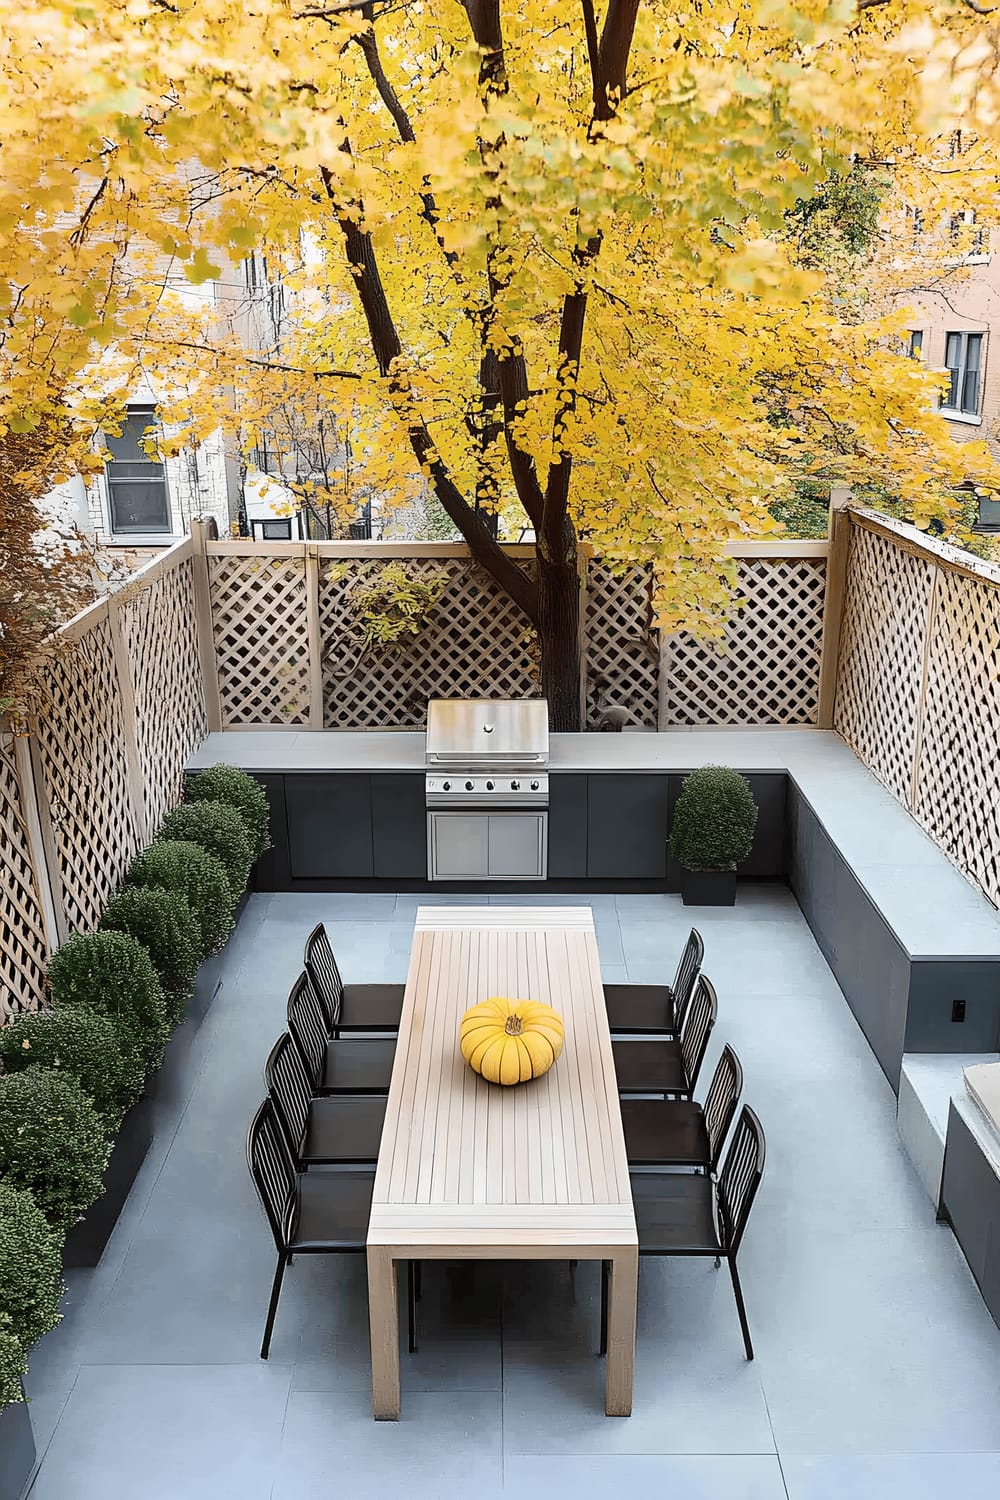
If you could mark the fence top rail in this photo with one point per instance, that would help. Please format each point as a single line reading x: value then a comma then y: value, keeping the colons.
x: 912, y: 540
x: 239, y: 547
x: 77, y: 627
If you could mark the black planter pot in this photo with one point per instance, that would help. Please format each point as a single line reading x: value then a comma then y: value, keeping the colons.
x: 85, y: 1242
x: 17, y: 1450
x: 708, y: 887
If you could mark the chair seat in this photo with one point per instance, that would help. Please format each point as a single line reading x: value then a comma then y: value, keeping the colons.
x: 334, y: 1209
x: 640, y: 1007
x: 674, y: 1214
x: 649, y: 1067
x: 371, y: 1007
x: 344, y: 1127
x: 666, y: 1132
x: 358, y: 1066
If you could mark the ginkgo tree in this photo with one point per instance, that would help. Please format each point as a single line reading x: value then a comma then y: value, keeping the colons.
x: 547, y: 242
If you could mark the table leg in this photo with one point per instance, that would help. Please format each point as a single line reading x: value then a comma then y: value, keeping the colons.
x: 383, y: 1322
x: 622, y: 1294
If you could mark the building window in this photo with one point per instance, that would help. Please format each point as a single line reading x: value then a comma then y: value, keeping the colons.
x: 137, y: 484
x: 274, y: 531
x: 963, y: 359
x: 915, y: 347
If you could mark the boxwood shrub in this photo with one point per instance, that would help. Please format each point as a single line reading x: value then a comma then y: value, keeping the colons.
x: 179, y: 865
x: 219, y: 829
x: 714, y: 820
x: 112, y: 974
x: 84, y: 1044
x: 31, y: 1256
x: 234, y: 787
x: 52, y: 1142
x: 163, y: 923
x: 12, y: 1366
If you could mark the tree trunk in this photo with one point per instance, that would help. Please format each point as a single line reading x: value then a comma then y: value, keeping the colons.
x: 559, y: 638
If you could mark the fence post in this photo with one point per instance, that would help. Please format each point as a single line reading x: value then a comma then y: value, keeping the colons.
x: 582, y: 561
x: 314, y: 637
x: 41, y: 845
x: 130, y: 724
x: 203, y: 622
x: 833, y: 603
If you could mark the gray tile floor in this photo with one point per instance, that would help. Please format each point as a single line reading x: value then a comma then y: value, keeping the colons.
x: 877, y: 1367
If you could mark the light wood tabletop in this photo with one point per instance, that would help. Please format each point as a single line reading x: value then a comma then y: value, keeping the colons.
x: 472, y: 1170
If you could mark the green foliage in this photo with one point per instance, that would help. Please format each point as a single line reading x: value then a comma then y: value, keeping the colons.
x: 391, y: 604
x: 84, y: 1044
x: 221, y: 830
x: 714, y: 820
x: 840, y: 219
x: 164, y: 924
x: 112, y: 974
x: 31, y: 1257
x: 234, y: 787
x: 52, y: 1142
x: 181, y: 866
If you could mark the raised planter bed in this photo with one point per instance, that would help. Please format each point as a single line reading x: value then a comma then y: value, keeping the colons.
x: 85, y: 1242
x: 17, y: 1450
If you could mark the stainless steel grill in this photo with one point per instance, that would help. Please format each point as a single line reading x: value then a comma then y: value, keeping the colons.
x: 487, y: 789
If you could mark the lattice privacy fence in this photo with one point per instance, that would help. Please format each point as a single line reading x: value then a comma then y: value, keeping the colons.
x: 120, y: 709
x: 918, y: 689
x: 766, y: 669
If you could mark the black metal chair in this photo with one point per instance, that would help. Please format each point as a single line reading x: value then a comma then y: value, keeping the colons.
x: 667, y: 1065
x: 326, y: 1131
x: 679, y: 1132
x: 346, y: 1065
x: 688, y: 1214
x: 656, y: 1008
x: 310, y: 1213
x: 349, y: 1007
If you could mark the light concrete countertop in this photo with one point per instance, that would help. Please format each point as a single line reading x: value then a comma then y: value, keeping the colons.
x: 937, y: 913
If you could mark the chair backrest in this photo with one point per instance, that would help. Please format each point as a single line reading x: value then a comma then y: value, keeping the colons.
x: 322, y: 969
x: 288, y: 1084
x: 721, y: 1101
x: 687, y: 973
x: 305, y: 1022
x: 699, y: 1018
x: 273, y: 1172
x: 740, y: 1179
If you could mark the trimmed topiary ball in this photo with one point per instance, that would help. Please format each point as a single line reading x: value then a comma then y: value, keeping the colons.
x: 13, y: 1366
x: 219, y: 829
x: 84, y: 1044
x: 31, y: 1256
x: 714, y: 820
x: 112, y: 974
x: 179, y: 865
x: 52, y: 1142
x: 163, y: 923
x: 237, y: 789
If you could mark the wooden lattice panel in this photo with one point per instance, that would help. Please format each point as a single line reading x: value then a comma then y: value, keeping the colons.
x: 621, y: 645
x: 958, y: 772
x: 477, y: 644
x: 766, y: 668
x: 83, y: 758
x: 886, y: 602
x: 260, y: 621
x: 23, y: 950
x: 158, y: 625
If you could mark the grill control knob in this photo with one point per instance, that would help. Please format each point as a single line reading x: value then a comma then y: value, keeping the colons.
x: 446, y: 786
x: 534, y: 786
x: 470, y: 786
x: 515, y: 786
x: 489, y: 786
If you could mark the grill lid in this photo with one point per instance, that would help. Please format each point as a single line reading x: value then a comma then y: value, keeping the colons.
x: 487, y: 731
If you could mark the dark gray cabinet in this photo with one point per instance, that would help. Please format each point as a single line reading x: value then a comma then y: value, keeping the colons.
x: 399, y: 826
x: 568, y: 827
x: 329, y: 826
x: 271, y: 872
x: 970, y: 1196
x: 627, y: 827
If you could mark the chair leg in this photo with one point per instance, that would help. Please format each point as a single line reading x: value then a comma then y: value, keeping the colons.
x: 272, y: 1306
x: 572, y: 1280
x: 604, y: 1308
x: 417, y: 1287
x: 411, y: 1307
x: 740, y: 1307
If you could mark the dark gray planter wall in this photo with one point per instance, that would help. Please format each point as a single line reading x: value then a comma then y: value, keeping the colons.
x: 970, y: 1198
x: 85, y: 1242
x: 17, y: 1450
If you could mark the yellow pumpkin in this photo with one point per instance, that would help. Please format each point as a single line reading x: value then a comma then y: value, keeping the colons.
x: 511, y: 1041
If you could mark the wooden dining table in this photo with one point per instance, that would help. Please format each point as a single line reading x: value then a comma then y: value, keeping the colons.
x: 470, y: 1170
